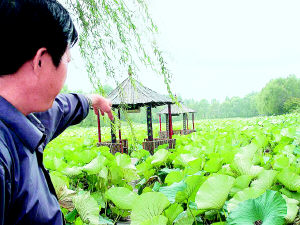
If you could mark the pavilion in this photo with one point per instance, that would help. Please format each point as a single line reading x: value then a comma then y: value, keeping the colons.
x: 131, y: 95
x: 176, y: 111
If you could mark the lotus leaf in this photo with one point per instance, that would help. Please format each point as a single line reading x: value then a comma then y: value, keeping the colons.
x: 247, y: 193
x: 268, y: 209
x: 172, y: 212
x: 213, y: 193
x: 289, y: 179
x: 171, y: 191
x: 292, y: 209
x: 122, y: 197
x: 147, y: 206
x: 265, y: 179
x: 160, y: 157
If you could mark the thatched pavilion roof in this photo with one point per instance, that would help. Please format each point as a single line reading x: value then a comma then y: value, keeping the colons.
x: 176, y: 110
x: 132, y: 94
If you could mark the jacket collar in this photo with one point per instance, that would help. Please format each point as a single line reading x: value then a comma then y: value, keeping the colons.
x: 26, y: 128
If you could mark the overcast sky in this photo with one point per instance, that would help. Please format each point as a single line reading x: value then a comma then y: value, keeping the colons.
x: 219, y: 48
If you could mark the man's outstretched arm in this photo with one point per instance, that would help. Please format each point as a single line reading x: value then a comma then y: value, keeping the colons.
x: 70, y: 109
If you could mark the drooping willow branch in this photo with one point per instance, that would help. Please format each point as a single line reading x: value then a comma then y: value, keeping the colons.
x: 116, y: 35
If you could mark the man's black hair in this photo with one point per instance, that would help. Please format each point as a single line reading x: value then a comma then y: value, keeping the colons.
x: 28, y: 25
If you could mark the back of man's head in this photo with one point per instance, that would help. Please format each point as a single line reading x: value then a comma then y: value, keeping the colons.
x: 28, y: 25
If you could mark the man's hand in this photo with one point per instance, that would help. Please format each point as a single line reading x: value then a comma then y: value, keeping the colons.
x: 102, y: 104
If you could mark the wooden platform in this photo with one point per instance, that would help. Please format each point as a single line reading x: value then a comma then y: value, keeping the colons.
x: 151, y: 145
x: 164, y: 134
x: 115, y: 147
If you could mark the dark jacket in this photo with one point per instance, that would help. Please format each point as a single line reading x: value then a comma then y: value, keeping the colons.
x: 27, y: 195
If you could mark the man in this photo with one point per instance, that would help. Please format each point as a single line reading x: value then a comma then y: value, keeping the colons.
x: 34, y: 53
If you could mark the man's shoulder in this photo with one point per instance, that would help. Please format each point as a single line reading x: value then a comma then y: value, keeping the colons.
x: 5, y: 141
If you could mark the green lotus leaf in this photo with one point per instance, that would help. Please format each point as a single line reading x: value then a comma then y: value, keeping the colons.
x: 124, y: 161
x: 171, y: 191
x: 157, y: 220
x: 297, y: 150
x: 73, y: 171
x: 240, y: 183
x: 184, y: 218
x: 122, y: 197
x: 268, y: 209
x: 58, y: 180
x: 247, y: 193
x: 143, y: 168
x: 174, y: 176
x: 147, y: 189
x: 244, y: 166
x: 99, y: 198
x: 249, y: 150
x: 156, y: 186
x: 213, y: 165
x: 193, y: 183
x: 160, y: 157
x: 260, y: 140
x: 197, y: 164
x: 120, y: 212
x: 292, y: 209
x: 226, y: 170
x: 149, y: 173
x: 213, y: 193
x: 71, y: 216
x: 87, y: 156
x: 105, y: 221
x: 288, y: 132
x: 130, y: 174
x: 228, y: 155
x: 211, y: 214
x: 95, y: 166
x: 140, y: 153
x: 103, y: 173
x: 116, y: 174
x: 87, y: 208
x: 294, y: 195
x: 183, y: 160
x: 55, y: 163
x: 78, y: 221
x: 289, y: 179
x: 147, y: 206
x: 265, y: 179
x: 281, y: 162
x: 172, y: 212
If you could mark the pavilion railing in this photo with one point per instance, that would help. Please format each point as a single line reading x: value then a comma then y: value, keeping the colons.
x: 151, y: 145
x: 164, y: 134
x: 115, y: 147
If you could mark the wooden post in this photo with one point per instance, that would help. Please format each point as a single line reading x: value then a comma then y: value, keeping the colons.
x: 167, y: 125
x: 113, y: 132
x: 99, y: 127
x: 149, y: 124
x: 184, y: 121
x: 170, y: 121
x: 193, y: 118
x: 172, y: 124
x: 159, y: 122
x: 120, y: 136
x: 187, y: 120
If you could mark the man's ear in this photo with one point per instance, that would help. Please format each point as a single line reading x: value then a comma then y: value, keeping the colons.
x: 37, y: 61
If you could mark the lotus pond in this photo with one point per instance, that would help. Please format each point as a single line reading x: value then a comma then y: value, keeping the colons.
x: 231, y: 171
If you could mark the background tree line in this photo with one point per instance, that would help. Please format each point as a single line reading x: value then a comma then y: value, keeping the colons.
x: 279, y: 96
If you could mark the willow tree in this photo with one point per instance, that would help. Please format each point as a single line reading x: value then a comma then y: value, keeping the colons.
x: 117, y: 35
